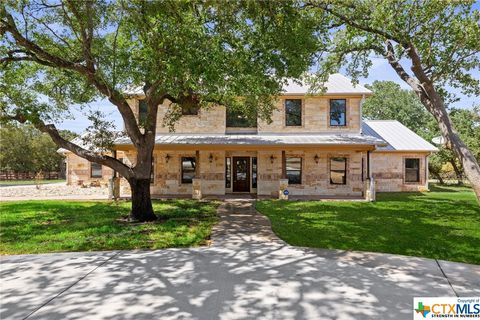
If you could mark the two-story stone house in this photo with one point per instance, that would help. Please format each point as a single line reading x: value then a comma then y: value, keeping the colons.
x: 316, y: 146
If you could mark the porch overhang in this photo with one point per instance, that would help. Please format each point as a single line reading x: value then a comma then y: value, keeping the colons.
x: 260, y: 141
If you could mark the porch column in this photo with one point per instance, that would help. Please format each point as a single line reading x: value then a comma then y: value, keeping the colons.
x: 283, y: 183
x: 370, y: 182
x: 197, y: 181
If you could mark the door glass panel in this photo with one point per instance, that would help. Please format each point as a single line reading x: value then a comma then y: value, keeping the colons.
x: 241, y: 173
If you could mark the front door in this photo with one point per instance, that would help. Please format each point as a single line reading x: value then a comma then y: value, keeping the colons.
x: 241, y: 174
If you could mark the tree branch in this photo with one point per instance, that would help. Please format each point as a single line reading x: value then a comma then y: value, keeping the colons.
x: 52, y: 131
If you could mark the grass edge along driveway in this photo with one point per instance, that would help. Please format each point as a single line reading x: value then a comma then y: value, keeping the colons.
x: 441, y: 224
x: 57, y: 226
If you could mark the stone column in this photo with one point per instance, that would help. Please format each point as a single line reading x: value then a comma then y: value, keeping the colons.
x: 370, y: 189
x: 283, y: 185
x: 197, y: 188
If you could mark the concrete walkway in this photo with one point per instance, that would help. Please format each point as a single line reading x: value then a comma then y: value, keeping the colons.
x: 247, y: 273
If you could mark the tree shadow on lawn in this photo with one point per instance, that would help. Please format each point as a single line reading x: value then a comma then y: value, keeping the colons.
x: 34, y: 227
x: 437, y: 229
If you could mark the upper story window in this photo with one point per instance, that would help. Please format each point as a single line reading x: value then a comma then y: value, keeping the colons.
x: 239, y: 120
x: 188, y: 169
x: 293, y: 112
x: 190, y: 110
x: 412, y: 170
x: 142, y: 111
x: 338, y: 170
x: 293, y: 170
x: 95, y: 170
x: 338, y: 112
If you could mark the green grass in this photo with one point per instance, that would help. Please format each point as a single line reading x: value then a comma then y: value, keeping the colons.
x: 7, y: 183
x: 52, y: 226
x: 442, y: 224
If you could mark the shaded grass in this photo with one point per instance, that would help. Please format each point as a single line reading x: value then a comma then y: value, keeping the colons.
x: 52, y: 226
x: 442, y: 224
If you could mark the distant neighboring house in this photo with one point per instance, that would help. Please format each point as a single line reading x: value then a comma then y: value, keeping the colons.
x: 315, y: 146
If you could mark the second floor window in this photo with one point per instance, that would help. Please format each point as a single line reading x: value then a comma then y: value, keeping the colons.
x: 142, y: 111
x: 338, y: 112
x: 188, y: 169
x: 293, y: 112
x: 239, y: 120
x: 95, y: 170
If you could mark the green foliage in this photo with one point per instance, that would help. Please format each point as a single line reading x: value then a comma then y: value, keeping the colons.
x: 53, y: 226
x: 391, y: 102
x: 214, y: 51
x: 445, y: 35
x: 441, y: 224
x: 26, y: 149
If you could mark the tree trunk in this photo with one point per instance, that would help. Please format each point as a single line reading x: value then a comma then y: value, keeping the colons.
x: 435, y: 105
x: 457, y: 170
x: 142, y: 209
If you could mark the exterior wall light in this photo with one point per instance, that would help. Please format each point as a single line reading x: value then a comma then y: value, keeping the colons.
x: 210, y: 158
x: 272, y: 158
x: 316, y: 158
x: 167, y: 158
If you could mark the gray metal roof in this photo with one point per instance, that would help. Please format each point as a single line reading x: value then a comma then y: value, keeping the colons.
x: 336, y: 84
x: 397, y: 136
x: 259, y: 140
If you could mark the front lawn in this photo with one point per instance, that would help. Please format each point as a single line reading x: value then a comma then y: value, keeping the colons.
x: 442, y: 224
x: 51, y: 226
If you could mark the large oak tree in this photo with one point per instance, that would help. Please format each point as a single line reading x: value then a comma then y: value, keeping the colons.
x: 57, y: 53
x: 432, y: 45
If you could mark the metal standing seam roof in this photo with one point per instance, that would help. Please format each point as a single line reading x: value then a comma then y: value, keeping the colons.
x: 259, y: 140
x: 336, y: 84
x: 397, y: 136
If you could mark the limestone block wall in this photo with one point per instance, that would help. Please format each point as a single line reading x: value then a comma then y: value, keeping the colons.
x: 208, y: 120
x: 78, y: 171
x: 269, y: 173
x: 212, y: 172
x: 168, y: 172
x: 315, y: 116
x: 388, y: 170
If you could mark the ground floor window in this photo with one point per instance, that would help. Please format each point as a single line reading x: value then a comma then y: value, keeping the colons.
x: 338, y: 170
x: 188, y: 169
x: 228, y: 172
x: 95, y: 170
x: 254, y: 172
x: 293, y: 170
x: 412, y: 170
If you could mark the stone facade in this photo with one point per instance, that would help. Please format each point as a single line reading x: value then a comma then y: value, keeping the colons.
x: 315, y: 116
x: 79, y: 172
x: 388, y: 170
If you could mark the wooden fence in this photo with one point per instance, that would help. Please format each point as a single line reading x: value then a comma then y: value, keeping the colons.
x: 15, y: 175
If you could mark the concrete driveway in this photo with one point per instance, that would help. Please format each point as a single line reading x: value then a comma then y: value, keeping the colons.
x: 248, y: 273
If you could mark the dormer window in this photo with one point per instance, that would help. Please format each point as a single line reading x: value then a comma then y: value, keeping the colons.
x: 338, y: 112
x: 293, y: 112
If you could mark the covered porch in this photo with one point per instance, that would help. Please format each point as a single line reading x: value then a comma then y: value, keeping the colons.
x: 267, y: 166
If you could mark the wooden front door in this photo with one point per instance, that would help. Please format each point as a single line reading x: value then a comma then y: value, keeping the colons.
x: 241, y: 174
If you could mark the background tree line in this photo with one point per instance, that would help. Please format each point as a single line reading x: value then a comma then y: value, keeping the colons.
x: 391, y: 102
x: 26, y: 149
